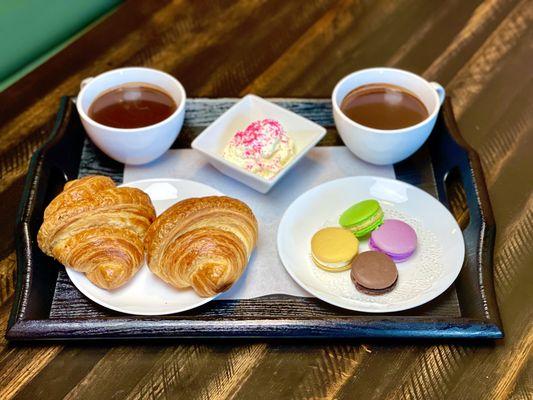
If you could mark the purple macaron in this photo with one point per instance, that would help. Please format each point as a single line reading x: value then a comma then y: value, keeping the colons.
x: 394, y: 238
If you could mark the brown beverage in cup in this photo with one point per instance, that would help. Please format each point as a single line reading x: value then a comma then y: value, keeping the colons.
x: 132, y: 105
x: 383, y: 106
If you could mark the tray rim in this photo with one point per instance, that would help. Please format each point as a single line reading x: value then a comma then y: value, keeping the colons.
x: 364, y: 326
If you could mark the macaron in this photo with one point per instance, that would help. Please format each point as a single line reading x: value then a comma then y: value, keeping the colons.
x: 395, y: 238
x: 333, y: 249
x: 362, y: 218
x: 374, y: 273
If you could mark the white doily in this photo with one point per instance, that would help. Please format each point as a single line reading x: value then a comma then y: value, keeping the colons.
x: 415, y: 276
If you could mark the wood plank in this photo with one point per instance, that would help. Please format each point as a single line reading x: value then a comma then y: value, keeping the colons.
x: 479, y: 70
x: 473, y: 33
x: 68, y: 368
x: 21, y: 366
x: 200, y: 372
x: 127, y: 365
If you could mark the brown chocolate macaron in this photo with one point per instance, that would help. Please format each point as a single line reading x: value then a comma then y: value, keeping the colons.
x: 374, y: 273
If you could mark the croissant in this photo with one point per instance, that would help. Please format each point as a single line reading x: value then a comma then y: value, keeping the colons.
x: 204, y: 243
x: 98, y: 229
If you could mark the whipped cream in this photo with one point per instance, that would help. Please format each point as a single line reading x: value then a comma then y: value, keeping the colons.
x: 263, y: 148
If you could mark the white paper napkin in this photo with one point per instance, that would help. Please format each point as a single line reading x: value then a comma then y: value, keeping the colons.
x: 265, y: 273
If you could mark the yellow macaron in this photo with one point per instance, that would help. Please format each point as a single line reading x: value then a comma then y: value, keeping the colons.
x: 333, y: 249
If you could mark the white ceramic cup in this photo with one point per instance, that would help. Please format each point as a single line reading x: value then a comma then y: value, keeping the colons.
x: 380, y: 146
x: 137, y: 145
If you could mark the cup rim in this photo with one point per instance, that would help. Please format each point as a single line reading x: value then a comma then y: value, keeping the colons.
x: 85, y: 116
x: 407, y: 129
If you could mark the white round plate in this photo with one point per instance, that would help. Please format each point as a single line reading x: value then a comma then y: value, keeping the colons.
x: 429, y: 272
x: 145, y: 293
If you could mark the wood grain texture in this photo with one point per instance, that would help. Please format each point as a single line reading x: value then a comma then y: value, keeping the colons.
x: 7, y: 277
x: 481, y: 50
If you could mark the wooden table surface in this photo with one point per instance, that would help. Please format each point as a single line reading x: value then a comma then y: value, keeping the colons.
x: 481, y: 51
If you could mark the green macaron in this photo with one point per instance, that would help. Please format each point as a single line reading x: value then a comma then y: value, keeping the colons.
x: 362, y: 218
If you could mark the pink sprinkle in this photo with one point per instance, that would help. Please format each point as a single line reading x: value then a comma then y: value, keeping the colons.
x: 258, y: 135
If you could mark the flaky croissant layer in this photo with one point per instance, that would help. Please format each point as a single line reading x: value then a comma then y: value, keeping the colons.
x: 98, y: 229
x: 204, y: 243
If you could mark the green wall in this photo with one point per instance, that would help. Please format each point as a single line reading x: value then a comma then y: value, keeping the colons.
x: 31, y: 31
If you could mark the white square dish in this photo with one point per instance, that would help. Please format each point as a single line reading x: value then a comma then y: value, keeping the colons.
x: 213, y: 139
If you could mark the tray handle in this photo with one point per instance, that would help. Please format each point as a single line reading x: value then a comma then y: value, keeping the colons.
x: 455, y: 160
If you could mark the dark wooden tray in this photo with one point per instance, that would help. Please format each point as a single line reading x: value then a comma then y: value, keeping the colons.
x: 47, y: 305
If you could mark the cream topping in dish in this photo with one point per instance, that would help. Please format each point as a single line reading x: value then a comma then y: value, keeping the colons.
x: 263, y: 148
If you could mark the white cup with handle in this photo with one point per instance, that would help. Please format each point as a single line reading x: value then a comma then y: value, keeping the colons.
x: 386, y: 146
x: 132, y: 145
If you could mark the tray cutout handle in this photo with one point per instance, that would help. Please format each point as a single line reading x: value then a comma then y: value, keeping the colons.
x: 456, y: 195
x: 458, y: 172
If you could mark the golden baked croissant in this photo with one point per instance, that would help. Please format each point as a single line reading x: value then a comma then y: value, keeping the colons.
x: 202, y: 242
x: 96, y: 228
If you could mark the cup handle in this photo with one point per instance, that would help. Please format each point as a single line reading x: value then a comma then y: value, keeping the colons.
x: 440, y: 91
x: 90, y: 78
x: 82, y: 85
